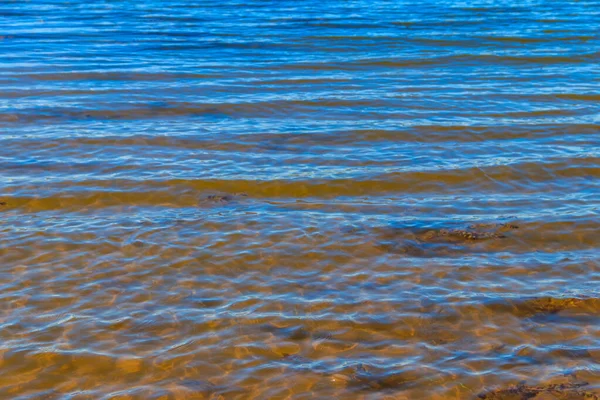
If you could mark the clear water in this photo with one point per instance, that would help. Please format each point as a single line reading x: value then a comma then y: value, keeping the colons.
x: 277, y: 199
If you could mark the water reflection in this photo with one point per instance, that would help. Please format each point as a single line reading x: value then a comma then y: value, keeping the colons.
x: 267, y: 200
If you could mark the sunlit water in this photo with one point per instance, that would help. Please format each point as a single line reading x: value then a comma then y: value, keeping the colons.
x: 286, y: 199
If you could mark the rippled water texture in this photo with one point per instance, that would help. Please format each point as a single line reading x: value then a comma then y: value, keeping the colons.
x: 299, y: 199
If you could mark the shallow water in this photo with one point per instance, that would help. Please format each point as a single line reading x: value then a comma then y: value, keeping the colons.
x: 272, y: 199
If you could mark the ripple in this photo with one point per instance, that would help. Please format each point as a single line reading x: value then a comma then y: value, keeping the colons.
x: 273, y: 200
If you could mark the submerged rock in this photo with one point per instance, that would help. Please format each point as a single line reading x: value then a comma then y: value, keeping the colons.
x: 561, y: 391
x: 366, y: 377
x: 551, y: 305
x: 457, y: 235
x: 473, y: 232
x: 223, y: 198
x: 422, y: 242
x: 544, y: 306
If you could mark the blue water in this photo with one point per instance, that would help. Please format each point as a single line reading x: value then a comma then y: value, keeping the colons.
x: 275, y: 199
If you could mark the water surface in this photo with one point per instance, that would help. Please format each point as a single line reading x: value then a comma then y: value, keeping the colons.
x: 277, y: 199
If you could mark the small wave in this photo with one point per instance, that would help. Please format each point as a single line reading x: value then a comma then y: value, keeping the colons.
x: 111, y: 76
